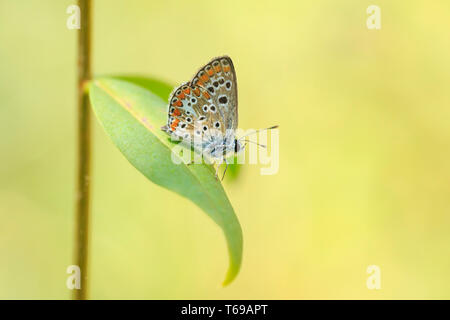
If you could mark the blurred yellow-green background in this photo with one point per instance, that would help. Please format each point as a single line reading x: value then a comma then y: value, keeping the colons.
x: 364, y: 173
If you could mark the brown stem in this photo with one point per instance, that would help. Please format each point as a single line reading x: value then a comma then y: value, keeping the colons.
x: 84, y: 149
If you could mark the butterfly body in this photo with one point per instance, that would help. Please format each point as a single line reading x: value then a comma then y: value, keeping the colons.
x: 203, y: 113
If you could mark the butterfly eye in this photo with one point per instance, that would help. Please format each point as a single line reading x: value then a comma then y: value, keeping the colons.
x: 215, y: 63
x: 174, y: 100
x: 205, y: 128
x: 217, y: 124
x: 188, y: 113
x: 236, y: 146
x: 183, y: 125
x: 216, y: 84
x: 224, y: 62
x: 188, y: 120
x: 178, y: 92
x: 193, y: 100
x: 172, y: 110
x: 205, y: 108
x: 212, y: 108
x: 197, y: 132
x: 228, y: 85
x: 211, y: 89
x: 202, y: 118
x: 184, y: 87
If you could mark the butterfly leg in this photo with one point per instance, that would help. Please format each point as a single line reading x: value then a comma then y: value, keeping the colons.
x: 223, y: 176
x: 217, y: 169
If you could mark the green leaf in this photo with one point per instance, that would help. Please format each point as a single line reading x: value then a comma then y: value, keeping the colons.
x: 233, y: 170
x: 132, y: 117
x: 158, y: 87
x: 163, y: 90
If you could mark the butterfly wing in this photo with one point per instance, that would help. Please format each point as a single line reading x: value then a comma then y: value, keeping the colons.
x: 218, y: 78
x: 206, y: 106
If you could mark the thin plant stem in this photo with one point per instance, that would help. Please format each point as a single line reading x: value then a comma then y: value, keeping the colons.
x: 84, y: 150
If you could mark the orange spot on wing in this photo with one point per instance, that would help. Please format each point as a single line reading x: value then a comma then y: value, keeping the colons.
x: 210, y: 72
x: 217, y: 68
x: 204, y: 77
x: 174, y: 124
x: 226, y: 68
x: 206, y: 95
x: 177, y: 112
x: 187, y: 90
x: 197, y: 92
x: 178, y: 103
x: 181, y: 96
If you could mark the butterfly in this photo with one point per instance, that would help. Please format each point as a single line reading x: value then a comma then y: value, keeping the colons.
x: 203, y: 113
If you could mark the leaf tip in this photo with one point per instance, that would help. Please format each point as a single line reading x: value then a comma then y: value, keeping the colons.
x: 231, y: 275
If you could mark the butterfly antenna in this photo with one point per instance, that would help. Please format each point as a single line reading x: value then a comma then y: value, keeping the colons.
x: 256, y: 131
x: 261, y: 145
